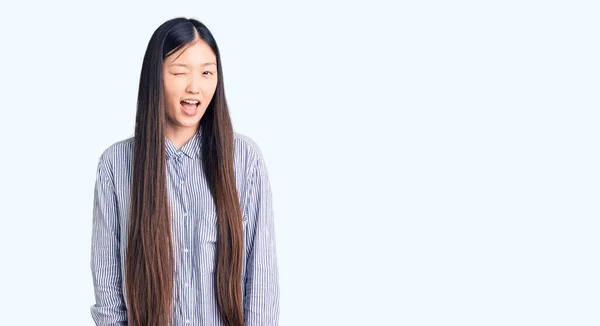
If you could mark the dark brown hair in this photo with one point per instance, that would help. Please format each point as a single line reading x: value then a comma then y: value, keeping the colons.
x: 149, y: 259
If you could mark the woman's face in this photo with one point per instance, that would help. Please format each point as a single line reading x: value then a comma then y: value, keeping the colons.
x: 189, y: 74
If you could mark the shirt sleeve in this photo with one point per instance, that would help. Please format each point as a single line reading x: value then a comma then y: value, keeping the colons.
x: 109, y: 308
x: 261, y: 299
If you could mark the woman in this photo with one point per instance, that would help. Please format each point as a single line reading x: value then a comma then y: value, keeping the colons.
x: 183, y: 230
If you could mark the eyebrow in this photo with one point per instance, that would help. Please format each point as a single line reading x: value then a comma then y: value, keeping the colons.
x: 184, y: 65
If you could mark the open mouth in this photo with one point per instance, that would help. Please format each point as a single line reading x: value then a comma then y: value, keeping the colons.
x: 190, y: 109
x: 189, y: 106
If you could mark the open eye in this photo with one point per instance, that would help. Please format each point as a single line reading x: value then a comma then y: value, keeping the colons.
x: 208, y: 72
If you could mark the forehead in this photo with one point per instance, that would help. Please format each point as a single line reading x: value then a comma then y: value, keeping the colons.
x: 196, y: 54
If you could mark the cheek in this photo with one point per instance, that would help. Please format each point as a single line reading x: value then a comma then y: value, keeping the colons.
x: 171, y: 101
x: 172, y: 93
x: 173, y: 86
x: 210, y: 89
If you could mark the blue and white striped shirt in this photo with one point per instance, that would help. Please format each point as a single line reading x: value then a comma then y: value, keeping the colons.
x: 194, y: 219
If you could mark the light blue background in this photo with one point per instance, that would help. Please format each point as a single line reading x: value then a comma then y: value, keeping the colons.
x: 432, y: 162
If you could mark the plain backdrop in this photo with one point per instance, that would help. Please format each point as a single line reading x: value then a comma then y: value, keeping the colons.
x: 432, y: 162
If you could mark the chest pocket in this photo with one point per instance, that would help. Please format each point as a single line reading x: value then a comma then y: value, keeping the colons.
x: 207, y: 240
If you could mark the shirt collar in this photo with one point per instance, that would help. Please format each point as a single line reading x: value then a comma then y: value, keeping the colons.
x: 190, y: 149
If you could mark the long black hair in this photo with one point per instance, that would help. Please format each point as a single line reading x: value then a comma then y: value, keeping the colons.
x: 149, y: 259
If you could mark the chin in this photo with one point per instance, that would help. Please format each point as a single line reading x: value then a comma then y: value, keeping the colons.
x: 189, y: 122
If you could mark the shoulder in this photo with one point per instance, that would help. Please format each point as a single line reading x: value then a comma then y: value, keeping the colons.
x: 247, y: 152
x: 246, y: 146
x: 114, y: 156
x: 117, y: 151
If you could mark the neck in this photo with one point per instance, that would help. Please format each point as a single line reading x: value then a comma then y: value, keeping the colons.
x: 180, y: 136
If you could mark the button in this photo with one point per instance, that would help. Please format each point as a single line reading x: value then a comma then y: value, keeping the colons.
x: 186, y: 285
x: 181, y: 182
x: 187, y: 321
x: 186, y: 250
x: 184, y: 213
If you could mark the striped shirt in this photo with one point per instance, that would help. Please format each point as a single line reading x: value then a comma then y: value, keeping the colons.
x: 194, y: 220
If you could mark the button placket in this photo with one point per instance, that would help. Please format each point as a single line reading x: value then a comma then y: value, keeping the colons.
x: 180, y: 164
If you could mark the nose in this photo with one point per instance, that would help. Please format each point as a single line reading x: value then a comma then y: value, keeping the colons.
x: 194, y: 85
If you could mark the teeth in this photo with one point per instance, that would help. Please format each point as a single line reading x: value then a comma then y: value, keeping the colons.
x: 190, y: 101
